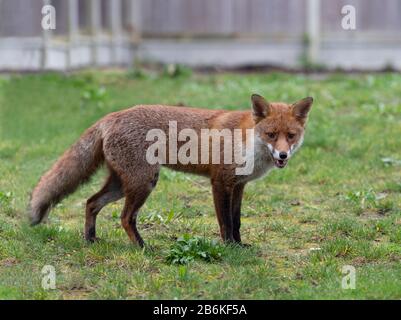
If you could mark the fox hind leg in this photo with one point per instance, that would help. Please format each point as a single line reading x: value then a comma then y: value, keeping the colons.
x: 136, y: 193
x: 110, y: 192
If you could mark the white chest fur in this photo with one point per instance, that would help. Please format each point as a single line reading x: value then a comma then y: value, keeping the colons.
x: 262, y: 161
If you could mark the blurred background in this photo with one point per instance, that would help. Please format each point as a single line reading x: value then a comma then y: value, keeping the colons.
x: 206, y: 33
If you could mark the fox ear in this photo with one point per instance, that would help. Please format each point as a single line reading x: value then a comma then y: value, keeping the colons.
x: 260, y: 107
x: 301, y: 108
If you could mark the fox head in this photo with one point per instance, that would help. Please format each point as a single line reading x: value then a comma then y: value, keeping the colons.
x: 280, y: 127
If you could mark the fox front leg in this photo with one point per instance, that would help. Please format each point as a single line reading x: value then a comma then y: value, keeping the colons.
x: 222, y: 196
x: 236, y: 211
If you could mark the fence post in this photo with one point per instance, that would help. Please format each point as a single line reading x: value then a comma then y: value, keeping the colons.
x: 135, y: 22
x: 227, y: 16
x: 313, y: 29
x: 116, y: 28
x: 95, y: 20
x: 73, y: 28
x: 46, y: 37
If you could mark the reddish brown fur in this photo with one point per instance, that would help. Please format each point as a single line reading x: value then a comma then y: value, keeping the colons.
x: 119, y: 140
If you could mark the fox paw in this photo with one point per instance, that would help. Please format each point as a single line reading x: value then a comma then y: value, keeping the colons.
x: 92, y: 239
x: 244, y: 245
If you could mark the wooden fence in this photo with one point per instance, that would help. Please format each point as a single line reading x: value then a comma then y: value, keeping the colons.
x: 262, y: 18
x: 199, y: 32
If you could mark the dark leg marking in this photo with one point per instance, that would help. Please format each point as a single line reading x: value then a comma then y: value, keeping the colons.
x: 222, y: 197
x: 236, y: 211
x: 111, y: 191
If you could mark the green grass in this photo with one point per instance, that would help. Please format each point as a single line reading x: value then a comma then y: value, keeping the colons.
x: 337, y: 203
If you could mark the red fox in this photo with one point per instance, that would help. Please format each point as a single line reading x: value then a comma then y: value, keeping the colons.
x: 120, y: 140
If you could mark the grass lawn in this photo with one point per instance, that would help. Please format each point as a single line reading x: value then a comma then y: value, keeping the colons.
x: 336, y: 204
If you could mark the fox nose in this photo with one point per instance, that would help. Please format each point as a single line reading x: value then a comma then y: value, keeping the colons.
x: 283, y: 155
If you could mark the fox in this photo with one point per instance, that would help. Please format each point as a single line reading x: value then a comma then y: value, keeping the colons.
x: 119, y: 142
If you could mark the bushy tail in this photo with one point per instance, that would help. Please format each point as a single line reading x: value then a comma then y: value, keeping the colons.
x: 73, y: 168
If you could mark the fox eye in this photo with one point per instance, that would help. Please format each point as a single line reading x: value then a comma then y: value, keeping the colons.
x: 271, y: 135
x: 291, y: 136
